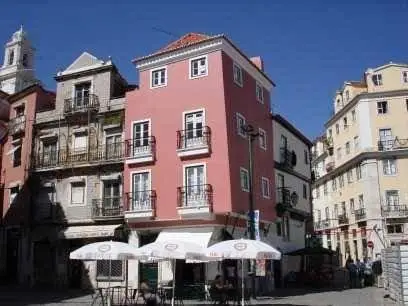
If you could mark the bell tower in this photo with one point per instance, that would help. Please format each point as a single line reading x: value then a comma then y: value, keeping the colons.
x: 17, y: 71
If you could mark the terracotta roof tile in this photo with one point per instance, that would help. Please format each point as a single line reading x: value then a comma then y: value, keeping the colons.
x: 184, y: 41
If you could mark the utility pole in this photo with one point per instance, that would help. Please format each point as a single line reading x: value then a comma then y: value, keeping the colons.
x: 249, y: 131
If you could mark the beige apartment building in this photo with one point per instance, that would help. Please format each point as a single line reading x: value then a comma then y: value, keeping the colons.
x: 360, y: 165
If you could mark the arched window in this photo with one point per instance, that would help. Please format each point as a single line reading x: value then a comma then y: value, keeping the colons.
x: 11, y: 57
x: 25, y: 60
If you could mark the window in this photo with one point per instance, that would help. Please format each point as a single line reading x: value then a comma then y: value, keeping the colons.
x: 244, y: 176
x: 113, y: 146
x: 158, y: 77
x: 336, y: 210
x: 350, y: 176
x: 317, y: 192
x: 392, y: 198
x: 140, y: 198
x: 198, y: 67
x: 337, y: 128
x: 109, y: 270
x: 25, y: 60
x: 382, y: 107
x: 77, y: 192
x: 13, y: 193
x: 327, y: 213
x: 284, y: 142
x: 306, y: 155
x: 49, y: 153
x: 341, y: 181
x: 360, y: 201
x: 406, y: 103
x: 338, y: 153
x: 353, y: 116
x: 395, y: 229
x: 141, y: 133
x: 240, y: 125
x: 325, y: 188
x: 345, y: 126
x: 195, y: 189
x: 343, y: 208
x: 356, y: 143
x: 82, y: 93
x: 259, y: 93
x: 347, y: 95
x: 80, y: 141
x: 17, y: 156
x: 377, y: 79
x: 11, y: 58
x: 358, y: 172
x: 330, y: 133
x: 265, y: 188
x: 389, y: 166
x: 338, y: 102
x: 262, y: 138
x: 111, y: 197
x: 304, y: 191
x: 19, y: 110
x: 352, y: 206
x: 405, y: 76
x: 386, y: 142
x: 194, y: 130
x: 237, y: 70
x: 347, y: 147
x: 334, y: 184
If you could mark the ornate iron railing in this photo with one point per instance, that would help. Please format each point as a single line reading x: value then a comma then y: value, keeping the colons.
x: 194, y: 138
x: 107, y: 207
x: 143, y: 200
x: 195, y: 196
x: 140, y: 147
x: 81, y: 104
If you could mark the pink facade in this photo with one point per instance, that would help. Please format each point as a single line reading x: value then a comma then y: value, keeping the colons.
x: 23, y: 106
x: 219, y: 99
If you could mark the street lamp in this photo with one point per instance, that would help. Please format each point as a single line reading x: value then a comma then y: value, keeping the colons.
x: 251, y: 134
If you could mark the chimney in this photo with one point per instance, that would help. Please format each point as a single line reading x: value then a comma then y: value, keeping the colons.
x: 257, y: 60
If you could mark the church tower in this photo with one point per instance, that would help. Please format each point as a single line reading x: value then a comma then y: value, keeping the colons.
x: 17, y: 71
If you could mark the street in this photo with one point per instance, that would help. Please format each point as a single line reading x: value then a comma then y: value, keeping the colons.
x: 367, y: 296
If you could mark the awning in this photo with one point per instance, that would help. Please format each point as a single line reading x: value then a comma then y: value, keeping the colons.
x: 200, y: 236
x: 88, y: 231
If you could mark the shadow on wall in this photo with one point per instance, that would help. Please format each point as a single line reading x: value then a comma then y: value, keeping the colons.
x: 29, y: 242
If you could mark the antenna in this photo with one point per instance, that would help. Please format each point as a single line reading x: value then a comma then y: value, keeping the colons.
x: 165, y: 32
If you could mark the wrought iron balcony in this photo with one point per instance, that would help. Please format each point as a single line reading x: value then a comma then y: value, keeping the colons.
x: 17, y: 125
x: 140, y: 204
x: 360, y: 214
x: 283, y: 196
x: 343, y: 219
x: 394, y: 210
x: 322, y: 224
x: 140, y: 150
x: 111, y: 153
x: 48, y: 212
x: 195, y: 196
x: 196, y: 141
x: 288, y: 158
x: 108, y: 207
x: 81, y: 104
x: 393, y: 144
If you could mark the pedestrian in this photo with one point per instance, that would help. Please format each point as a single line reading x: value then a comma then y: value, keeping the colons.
x: 360, y: 273
x: 352, y: 268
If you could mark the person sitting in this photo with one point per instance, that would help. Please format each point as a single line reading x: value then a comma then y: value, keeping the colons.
x: 147, y: 293
x: 217, y: 292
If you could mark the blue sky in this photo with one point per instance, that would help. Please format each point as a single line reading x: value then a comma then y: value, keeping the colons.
x: 309, y: 47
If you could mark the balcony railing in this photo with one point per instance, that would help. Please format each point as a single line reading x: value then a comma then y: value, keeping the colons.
x: 288, y: 158
x: 360, y: 214
x: 63, y: 158
x: 395, y: 211
x: 196, y: 138
x: 17, y: 125
x: 195, y: 196
x: 141, y: 149
x: 392, y: 144
x: 343, y: 219
x: 81, y: 104
x: 141, y: 201
x: 108, y: 207
x: 283, y: 196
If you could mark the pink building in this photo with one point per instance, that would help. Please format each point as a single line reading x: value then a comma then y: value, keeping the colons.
x: 186, y: 172
x: 15, y: 178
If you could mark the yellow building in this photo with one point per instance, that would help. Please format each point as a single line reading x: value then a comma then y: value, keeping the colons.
x: 360, y: 190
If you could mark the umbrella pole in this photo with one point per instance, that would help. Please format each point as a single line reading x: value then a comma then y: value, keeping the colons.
x: 242, y: 282
x: 109, y: 288
x: 174, y: 281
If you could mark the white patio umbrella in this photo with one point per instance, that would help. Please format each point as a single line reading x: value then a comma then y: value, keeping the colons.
x: 171, y: 249
x: 242, y: 249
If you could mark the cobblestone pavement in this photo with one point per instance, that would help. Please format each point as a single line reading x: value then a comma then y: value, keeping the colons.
x: 367, y: 296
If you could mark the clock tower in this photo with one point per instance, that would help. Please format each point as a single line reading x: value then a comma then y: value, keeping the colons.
x: 17, y: 71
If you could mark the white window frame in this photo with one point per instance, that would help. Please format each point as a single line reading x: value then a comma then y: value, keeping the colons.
x: 81, y: 81
x: 242, y: 169
x: 405, y: 76
x: 266, y: 195
x: 195, y: 165
x: 379, y: 80
x: 263, y: 132
x: 259, y: 98
x: 388, y: 161
x: 202, y: 110
x: 240, y: 81
x: 140, y: 121
x: 73, y: 181
x: 190, y: 66
x: 239, y: 129
x: 151, y: 71
x: 138, y: 172
x: 381, y: 108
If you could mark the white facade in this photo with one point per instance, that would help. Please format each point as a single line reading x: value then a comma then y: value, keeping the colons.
x: 17, y: 71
